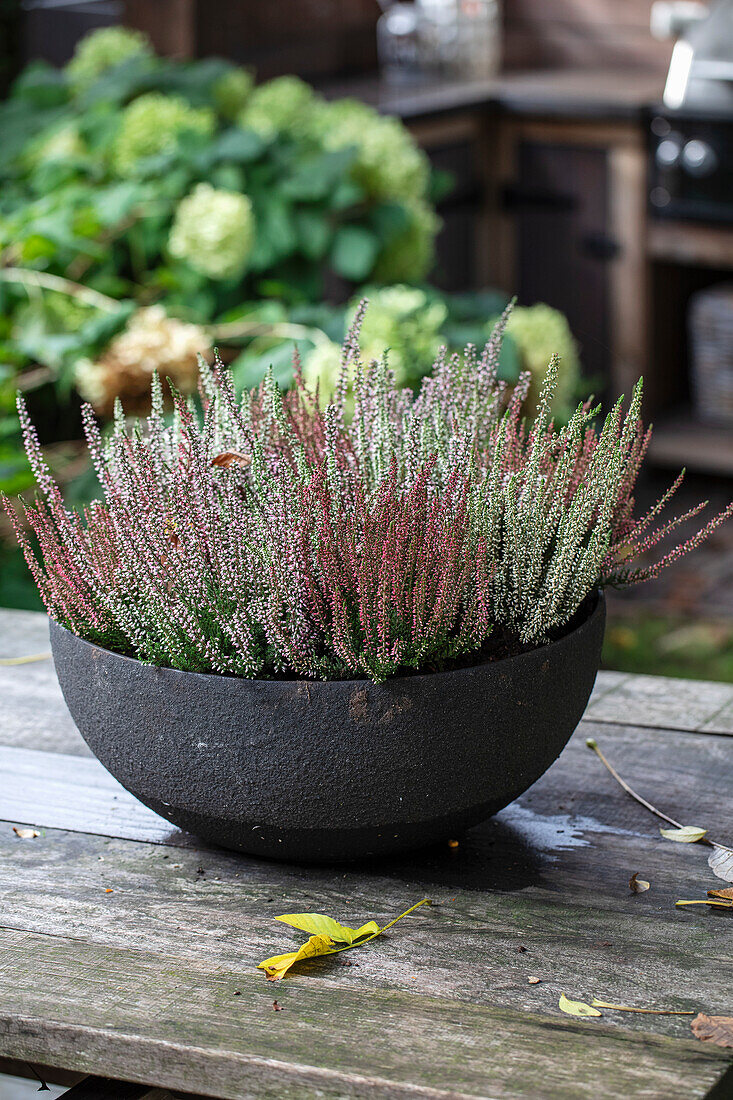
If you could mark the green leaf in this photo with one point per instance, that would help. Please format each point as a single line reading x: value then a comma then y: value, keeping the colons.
x: 389, y: 220
x: 576, y: 1008
x: 41, y: 85
x: 687, y: 834
x: 354, y: 252
x: 239, y: 145
x: 315, y: 233
x: 315, y: 177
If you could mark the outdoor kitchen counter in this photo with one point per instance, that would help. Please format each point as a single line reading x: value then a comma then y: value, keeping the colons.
x: 128, y: 949
x: 617, y: 95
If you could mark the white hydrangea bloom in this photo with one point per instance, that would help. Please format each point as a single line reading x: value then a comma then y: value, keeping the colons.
x: 213, y: 231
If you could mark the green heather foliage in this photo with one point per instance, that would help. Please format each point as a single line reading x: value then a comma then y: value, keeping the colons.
x: 267, y: 537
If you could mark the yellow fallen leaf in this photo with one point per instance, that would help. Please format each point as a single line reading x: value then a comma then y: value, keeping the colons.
x: 318, y: 925
x: 686, y: 834
x: 323, y: 942
x: 724, y: 904
x: 576, y: 1008
x: 278, y: 965
x: 638, y: 885
x: 651, y: 1011
x: 25, y: 834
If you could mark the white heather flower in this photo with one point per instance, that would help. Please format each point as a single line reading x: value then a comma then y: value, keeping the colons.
x: 213, y: 231
x: 541, y: 332
x: 152, y: 342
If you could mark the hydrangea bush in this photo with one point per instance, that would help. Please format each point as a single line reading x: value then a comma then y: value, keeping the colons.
x: 159, y: 182
x: 267, y: 537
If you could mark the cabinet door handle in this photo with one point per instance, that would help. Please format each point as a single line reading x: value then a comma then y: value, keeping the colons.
x: 599, y: 246
x: 514, y: 196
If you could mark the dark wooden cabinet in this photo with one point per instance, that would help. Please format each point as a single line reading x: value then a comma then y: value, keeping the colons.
x: 569, y: 228
x: 559, y: 203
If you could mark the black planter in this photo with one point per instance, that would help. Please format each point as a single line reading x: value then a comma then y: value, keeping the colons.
x: 336, y: 770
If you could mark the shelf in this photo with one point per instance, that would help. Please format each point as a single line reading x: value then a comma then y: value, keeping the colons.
x: 691, y: 244
x: 681, y: 441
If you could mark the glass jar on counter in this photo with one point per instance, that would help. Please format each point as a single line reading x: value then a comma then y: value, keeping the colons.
x: 459, y: 38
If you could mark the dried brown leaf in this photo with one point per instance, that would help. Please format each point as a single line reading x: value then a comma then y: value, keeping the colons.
x: 638, y: 885
x: 726, y: 893
x: 720, y: 862
x: 713, y: 1029
x: 228, y: 459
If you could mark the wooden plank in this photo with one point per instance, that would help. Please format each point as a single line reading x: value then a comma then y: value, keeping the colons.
x: 181, y: 1025
x: 689, y: 243
x: 70, y: 792
x: 629, y: 273
x: 680, y: 440
x: 666, y: 703
x: 34, y: 712
x: 582, y: 931
x: 549, y: 873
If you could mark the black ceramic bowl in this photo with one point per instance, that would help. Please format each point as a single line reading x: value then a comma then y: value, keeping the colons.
x: 330, y: 771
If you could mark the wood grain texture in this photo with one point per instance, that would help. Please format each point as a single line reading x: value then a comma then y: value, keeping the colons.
x: 69, y: 792
x: 665, y: 703
x: 129, y: 949
x: 549, y: 873
x: 582, y: 34
x: 180, y: 1025
x: 33, y: 708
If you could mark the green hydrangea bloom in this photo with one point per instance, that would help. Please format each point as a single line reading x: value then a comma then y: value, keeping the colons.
x: 102, y: 50
x: 541, y: 332
x: 62, y: 143
x: 151, y: 124
x: 389, y: 165
x: 404, y: 322
x: 279, y: 106
x: 231, y: 92
x: 409, y: 256
x: 321, y: 368
x: 213, y: 231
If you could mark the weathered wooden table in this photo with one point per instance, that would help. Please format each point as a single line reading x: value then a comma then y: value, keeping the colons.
x: 128, y: 949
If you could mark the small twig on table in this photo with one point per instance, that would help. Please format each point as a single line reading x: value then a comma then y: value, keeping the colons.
x: 5, y: 661
x: 643, y: 802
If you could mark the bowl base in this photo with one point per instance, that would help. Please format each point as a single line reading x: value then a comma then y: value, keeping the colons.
x: 322, y: 845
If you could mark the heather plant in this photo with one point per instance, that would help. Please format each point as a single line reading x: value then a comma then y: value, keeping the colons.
x: 264, y: 536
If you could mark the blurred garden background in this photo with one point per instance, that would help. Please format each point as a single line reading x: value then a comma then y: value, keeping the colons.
x: 179, y: 178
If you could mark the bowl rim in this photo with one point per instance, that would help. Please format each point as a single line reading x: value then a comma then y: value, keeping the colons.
x: 596, y: 612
